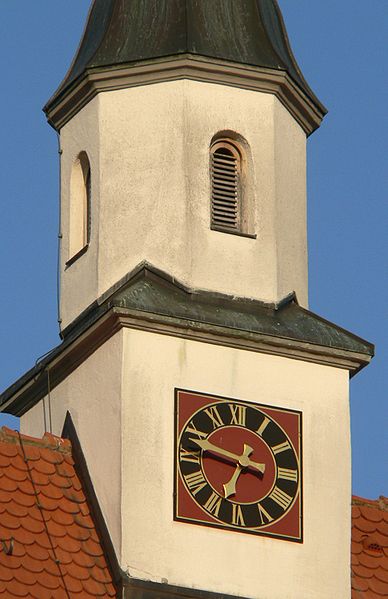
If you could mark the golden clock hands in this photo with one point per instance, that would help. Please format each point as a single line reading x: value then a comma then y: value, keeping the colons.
x: 230, y: 486
x: 242, y: 459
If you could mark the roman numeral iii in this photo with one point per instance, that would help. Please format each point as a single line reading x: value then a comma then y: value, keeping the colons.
x: 287, y: 474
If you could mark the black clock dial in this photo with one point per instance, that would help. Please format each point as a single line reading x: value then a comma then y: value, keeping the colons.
x: 238, y: 464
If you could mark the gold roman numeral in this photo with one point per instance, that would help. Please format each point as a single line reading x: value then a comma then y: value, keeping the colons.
x: 239, y: 414
x: 264, y: 514
x: 237, y: 515
x: 213, y: 504
x: 189, y: 456
x: 281, y: 447
x: 194, y: 431
x: 288, y: 474
x: 214, y: 416
x: 281, y: 498
x: 195, y: 481
x: 263, y: 426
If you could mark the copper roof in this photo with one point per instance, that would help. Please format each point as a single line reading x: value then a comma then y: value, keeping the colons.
x: 49, y: 546
x: 130, y: 31
x: 369, y: 548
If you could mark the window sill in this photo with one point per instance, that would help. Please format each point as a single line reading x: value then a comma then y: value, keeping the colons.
x: 231, y: 232
x: 74, y: 258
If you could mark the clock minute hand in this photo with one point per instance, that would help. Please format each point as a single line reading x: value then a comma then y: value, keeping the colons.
x: 208, y: 446
x: 242, y: 459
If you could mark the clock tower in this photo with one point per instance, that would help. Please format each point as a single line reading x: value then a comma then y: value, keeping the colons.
x: 211, y: 405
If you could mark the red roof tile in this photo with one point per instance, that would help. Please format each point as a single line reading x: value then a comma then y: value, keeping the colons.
x: 49, y: 545
x: 369, y: 548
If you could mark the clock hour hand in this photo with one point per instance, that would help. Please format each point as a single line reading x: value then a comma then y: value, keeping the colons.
x: 243, y: 459
x: 230, y: 486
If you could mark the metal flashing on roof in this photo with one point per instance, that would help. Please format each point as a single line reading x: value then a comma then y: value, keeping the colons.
x: 126, y: 34
x: 150, y: 300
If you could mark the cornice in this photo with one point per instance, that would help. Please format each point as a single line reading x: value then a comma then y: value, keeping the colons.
x: 60, y: 109
x: 153, y: 301
x: 47, y: 375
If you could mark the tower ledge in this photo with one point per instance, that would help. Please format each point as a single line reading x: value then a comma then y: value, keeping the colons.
x: 63, y: 106
x: 150, y: 300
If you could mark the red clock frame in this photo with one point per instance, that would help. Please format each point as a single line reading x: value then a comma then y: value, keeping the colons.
x: 238, y: 465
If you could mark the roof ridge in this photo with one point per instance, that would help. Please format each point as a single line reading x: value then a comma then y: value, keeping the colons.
x: 47, y: 441
x: 380, y: 503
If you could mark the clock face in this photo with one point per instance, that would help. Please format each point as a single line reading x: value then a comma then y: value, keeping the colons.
x: 238, y: 465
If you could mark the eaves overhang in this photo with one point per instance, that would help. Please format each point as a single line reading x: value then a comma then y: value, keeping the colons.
x: 94, y: 80
x: 150, y: 300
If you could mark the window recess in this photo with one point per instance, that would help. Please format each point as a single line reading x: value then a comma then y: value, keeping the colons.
x: 225, y: 187
x: 79, y: 208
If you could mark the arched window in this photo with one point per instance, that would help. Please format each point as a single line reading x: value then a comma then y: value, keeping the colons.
x: 80, y: 197
x: 226, y: 188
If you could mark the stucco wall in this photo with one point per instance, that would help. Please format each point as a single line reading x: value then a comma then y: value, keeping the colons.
x: 157, y: 548
x: 92, y: 394
x: 290, y: 205
x: 79, y: 281
x: 149, y: 153
x: 122, y: 403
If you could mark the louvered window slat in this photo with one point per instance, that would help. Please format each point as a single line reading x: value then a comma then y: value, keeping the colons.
x: 225, y: 209
x: 221, y: 219
x: 224, y: 189
x: 225, y: 162
x: 224, y: 182
x: 223, y: 206
x: 223, y: 171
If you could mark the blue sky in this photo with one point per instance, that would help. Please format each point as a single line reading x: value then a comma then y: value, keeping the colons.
x: 341, y: 49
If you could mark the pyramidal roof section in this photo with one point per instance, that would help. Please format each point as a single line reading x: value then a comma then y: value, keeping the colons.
x: 120, y: 33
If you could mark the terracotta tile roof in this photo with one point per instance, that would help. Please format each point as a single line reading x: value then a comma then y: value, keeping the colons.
x: 49, y: 547
x: 369, y: 548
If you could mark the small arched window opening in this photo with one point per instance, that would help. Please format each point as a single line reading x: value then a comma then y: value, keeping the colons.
x: 80, y: 207
x: 226, y: 188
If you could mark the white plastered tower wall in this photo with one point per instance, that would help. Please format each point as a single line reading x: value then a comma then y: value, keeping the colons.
x: 122, y: 404
x: 149, y: 152
x: 195, y: 556
x: 92, y: 395
x: 79, y: 282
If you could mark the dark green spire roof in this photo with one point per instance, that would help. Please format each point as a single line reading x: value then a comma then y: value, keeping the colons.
x: 121, y: 33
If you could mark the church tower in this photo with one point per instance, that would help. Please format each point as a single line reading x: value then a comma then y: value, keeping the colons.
x: 211, y: 405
